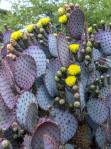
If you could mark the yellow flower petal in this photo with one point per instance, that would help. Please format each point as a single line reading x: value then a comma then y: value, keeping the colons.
x: 70, y: 81
x: 74, y: 69
x: 63, y: 19
x: 16, y: 35
x: 46, y: 21
x: 74, y: 48
x: 39, y: 24
x: 30, y: 28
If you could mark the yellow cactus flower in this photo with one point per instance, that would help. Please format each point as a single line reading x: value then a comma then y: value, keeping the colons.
x: 63, y: 19
x: 61, y: 11
x: 74, y: 48
x: 74, y: 69
x: 16, y: 35
x: 45, y: 21
x: 70, y: 81
x: 39, y: 24
x: 30, y: 28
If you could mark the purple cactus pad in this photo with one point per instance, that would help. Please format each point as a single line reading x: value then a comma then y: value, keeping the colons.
x: 25, y: 71
x: 44, y: 100
x: 27, y: 111
x: 97, y: 110
x: 49, y: 79
x: 63, y: 51
x: 52, y: 40
x: 7, y: 116
x: 104, y: 38
x: 39, y: 57
x: 76, y: 23
x: 48, y: 128
x: 66, y: 122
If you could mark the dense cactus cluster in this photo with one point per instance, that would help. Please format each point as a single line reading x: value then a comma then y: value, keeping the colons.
x: 55, y: 86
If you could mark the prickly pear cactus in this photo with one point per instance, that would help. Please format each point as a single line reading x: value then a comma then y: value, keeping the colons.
x: 55, y: 83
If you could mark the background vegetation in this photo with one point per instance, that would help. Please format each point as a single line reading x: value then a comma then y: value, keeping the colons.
x: 28, y: 11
